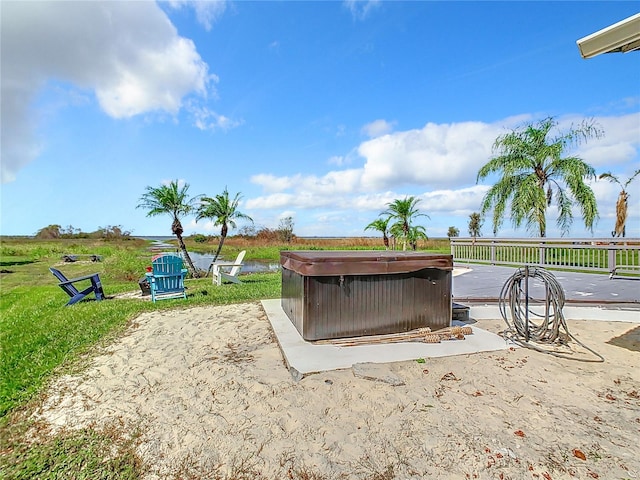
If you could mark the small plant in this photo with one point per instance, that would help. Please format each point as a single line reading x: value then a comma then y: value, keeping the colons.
x: 285, y: 230
x: 475, y: 225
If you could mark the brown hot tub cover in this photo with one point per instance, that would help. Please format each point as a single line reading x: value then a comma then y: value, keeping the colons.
x: 359, y: 262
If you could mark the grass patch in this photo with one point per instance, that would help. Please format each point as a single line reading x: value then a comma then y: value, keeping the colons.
x: 86, y: 454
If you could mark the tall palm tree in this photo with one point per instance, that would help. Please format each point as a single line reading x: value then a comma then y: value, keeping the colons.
x: 223, y: 211
x: 416, y: 232
x: 173, y: 200
x: 534, y: 173
x: 403, y: 212
x: 621, y: 204
x: 381, y: 225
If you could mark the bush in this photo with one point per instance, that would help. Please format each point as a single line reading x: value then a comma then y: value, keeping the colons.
x: 199, y: 238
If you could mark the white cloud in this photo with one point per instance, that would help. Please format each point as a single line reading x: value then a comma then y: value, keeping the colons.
x: 207, y: 11
x: 360, y: 9
x: 437, y: 164
x: 207, y: 226
x: 619, y: 145
x: 437, y: 154
x: 277, y: 200
x: 373, y: 201
x: 461, y: 201
x: 128, y: 53
x: 333, y: 183
x: 338, y: 160
x: 271, y: 183
x: 377, y: 128
x: 206, y: 119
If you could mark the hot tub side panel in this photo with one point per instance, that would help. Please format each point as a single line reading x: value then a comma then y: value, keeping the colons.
x: 292, y: 299
x: 356, y: 305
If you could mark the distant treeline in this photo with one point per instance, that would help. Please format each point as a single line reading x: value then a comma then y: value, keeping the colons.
x: 56, y: 231
x: 284, y: 233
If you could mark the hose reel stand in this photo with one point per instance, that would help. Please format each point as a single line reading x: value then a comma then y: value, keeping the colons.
x: 542, y: 325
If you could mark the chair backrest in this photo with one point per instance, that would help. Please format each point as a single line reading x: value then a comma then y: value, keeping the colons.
x: 67, y: 287
x: 167, y: 264
x: 236, y: 269
x: 167, y: 270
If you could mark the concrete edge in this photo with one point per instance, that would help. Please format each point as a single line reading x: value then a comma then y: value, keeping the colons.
x: 492, y: 312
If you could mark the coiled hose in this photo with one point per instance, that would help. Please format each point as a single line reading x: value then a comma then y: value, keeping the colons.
x: 528, y: 326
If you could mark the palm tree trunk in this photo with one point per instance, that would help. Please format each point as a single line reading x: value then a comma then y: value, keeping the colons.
x: 405, y: 230
x: 190, y: 265
x: 542, y: 222
x: 621, y: 214
x: 215, y: 258
x: 219, y: 248
x: 176, y: 228
x: 223, y: 234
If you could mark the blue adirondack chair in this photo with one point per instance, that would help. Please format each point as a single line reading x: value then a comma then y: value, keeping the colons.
x: 76, y: 295
x: 167, y: 278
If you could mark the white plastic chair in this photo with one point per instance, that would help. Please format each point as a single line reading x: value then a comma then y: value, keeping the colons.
x: 228, y: 271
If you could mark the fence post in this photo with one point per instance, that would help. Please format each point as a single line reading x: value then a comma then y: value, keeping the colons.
x: 611, y: 262
x: 493, y: 252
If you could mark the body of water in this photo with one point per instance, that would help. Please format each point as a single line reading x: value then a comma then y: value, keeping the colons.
x: 202, y: 261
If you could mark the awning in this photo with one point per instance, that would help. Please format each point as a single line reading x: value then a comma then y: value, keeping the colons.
x: 623, y: 36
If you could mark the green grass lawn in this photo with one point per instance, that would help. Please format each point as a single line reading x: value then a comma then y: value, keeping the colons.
x: 41, y: 338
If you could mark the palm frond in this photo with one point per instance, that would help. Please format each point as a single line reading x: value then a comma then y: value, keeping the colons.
x: 533, y: 173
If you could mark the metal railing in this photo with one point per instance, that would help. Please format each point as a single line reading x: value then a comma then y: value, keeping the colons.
x: 616, y: 256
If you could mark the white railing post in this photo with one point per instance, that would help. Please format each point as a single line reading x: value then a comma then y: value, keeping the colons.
x: 611, y: 262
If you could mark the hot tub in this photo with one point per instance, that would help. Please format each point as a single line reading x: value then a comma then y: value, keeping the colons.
x: 337, y: 294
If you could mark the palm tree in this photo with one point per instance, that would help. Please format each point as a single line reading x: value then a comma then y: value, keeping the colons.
x: 534, y: 173
x: 381, y: 225
x: 475, y: 225
x: 403, y: 212
x: 453, y: 232
x: 621, y: 204
x: 416, y: 232
x: 172, y: 200
x: 223, y: 211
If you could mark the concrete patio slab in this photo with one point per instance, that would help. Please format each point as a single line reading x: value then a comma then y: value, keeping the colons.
x: 304, y: 358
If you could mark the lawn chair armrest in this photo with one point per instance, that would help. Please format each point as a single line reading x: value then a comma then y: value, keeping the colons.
x: 164, y: 275
x: 78, y: 279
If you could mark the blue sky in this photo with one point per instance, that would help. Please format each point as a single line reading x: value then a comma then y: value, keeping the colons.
x: 322, y: 111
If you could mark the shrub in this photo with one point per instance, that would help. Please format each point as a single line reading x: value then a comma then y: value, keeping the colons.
x: 199, y: 238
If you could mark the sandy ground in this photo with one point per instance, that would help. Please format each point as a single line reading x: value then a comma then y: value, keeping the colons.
x: 209, y: 391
